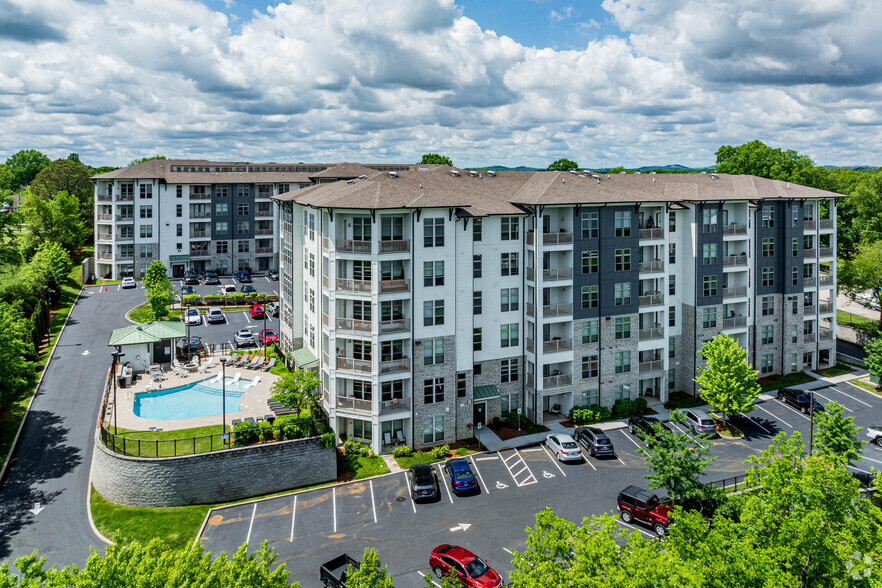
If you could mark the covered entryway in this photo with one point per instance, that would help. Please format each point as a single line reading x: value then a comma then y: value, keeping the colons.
x: 484, y: 399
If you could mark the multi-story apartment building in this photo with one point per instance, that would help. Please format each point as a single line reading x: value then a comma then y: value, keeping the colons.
x: 433, y: 299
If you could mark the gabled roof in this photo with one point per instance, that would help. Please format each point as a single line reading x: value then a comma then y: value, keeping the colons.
x: 344, y: 171
x: 151, y: 332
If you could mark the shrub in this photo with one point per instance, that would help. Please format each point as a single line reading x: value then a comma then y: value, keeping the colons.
x: 352, y: 447
x: 591, y: 414
x: 244, y: 434
x: 191, y: 299
x: 628, y: 408
x: 441, y: 452
x: 402, y: 451
x: 329, y: 439
x: 463, y: 451
x: 264, y: 431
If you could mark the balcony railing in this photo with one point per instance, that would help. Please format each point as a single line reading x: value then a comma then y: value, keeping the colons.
x: 125, y: 256
x: 263, y: 196
x: 105, y: 217
x: 394, y: 286
x: 125, y: 218
x: 326, y: 398
x: 735, y: 292
x: 648, y: 334
x: 353, y: 403
x: 200, y: 215
x: 531, y: 310
x: 359, y: 286
x: 808, y: 224
x: 354, y: 365
x: 531, y: 237
x: 397, y: 246
x: 557, y: 309
x: 652, y: 266
x: 198, y: 234
x: 826, y: 251
x: 199, y: 253
x: 735, y: 322
x: 809, y: 253
x: 825, y: 307
x: 125, y: 197
x: 809, y: 309
x: 825, y: 334
x: 825, y: 279
x: 530, y: 274
x: 105, y: 237
x: 264, y: 212
x: 808, y: 337
x: 826, y: 223
x: 325, y: 319
x: 350, y: 246
x: 268, y: 231
x: 394, y: 326
x: 200, y: 196
x: 734, y: 260
x: 557, y: 238
x: 395, y: 365
x: 260, y: 250
x: 326, y: 244
x: 558, y: 381
x: 395, y: 405
x: 656, y: 233
x: 325, y: 359
x: 651, y: 366
x: 651, y: 300
x: 556, y: 345
x: 104, y: 198
x: 562, y: 273
x: 130, y: 237
x: 734, y: 229
x: 531, y: 347
x: 105, y: 256
x: 354, y: 325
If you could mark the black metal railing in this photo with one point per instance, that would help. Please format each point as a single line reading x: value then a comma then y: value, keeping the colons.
x: 729, y: 483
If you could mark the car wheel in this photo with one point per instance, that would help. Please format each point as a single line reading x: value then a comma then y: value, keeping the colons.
x: 438, y: 573
x: 592, y: 453
x: 805, y: 410
x: 878, y: 441
x: 631, y: 429
x: 626, y: 516
x: 660, y: 529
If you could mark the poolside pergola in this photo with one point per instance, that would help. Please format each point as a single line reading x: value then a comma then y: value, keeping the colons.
x: 149, y: 343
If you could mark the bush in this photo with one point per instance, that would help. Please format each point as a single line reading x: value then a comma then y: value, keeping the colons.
x: 244, y: 434
x: 264, y: 431
x: 588, y: 415
x: 351, y: 447
x: 441, y: 452
x: 628, y: 408
x: 402, y: 451
x: 463, y: 451
x: 329, y: 439
x: 194, y: 299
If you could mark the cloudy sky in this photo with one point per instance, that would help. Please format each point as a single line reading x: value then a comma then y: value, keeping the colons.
x: 511, y: 82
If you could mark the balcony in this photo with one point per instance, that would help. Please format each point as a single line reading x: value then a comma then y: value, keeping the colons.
x: 826, y: 223
x: 199, y: 253
x: 652, y: 266
x: 354, y: 365
x: 809, y: 224
x: 734, y: 230
x: 263, y: 196
x: 353, y: 325
x: 200, y: 215
x: 394, y: 286
x: 349, y: 246
x: 649, y: 334
x: 263, y: 250
x: 649, y: 234
x: 353, y: 403
x: 826, y: 280
x: 826, y: 251
x: 826, y: 307
x: 397, y: 246
x: 563, y: 273
x: 198, y: 234
x: 735, y: 292
x: 531, y: 237
x: 809, y: 253
x: 825, y: 335
x: 105, y: 217
x: 809, y: 309
x: 652, y: 299
x: 357, y: 286
x: 125, y: 237
x: 557, y: 309
x: 125, y: 218
x: 556, y: 345
x: 531, y: 347
x: 395, y: 365
x: 325, y: 319
x: 558, y: 381
x: 395, y: 405
x: 651, y: 366
x: 395, y: 326
x: 557, y: 238
x: 125, y: 198
x: 326, y: 244
x: 264, y: 212
x: 808, y: 337
x: 202, y: 196
x: 734, y: 260
x: 105, y: 256
x: 126, y: 256
x: 105, y: 237
x: 531, y: 310
x: 104, y: 197
x: 735, y: 322
x: 267, y: 231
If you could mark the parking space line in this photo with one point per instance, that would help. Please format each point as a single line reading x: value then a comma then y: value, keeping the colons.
x: 251, y: 524
x: 293, y: 514
x: 588, y: 461
x: 773, y: 416
x: 756, y: 422
x: 508, y: 550
x: 433, y: 581
x: 484, y: 486
x: 676, y: 426
x: 554, y: 461
x: 829, y: 400
x: 628, y: 437
x: 373, y: 502
x: 796, y: 411
x: 335, y: 508
x: 409, y: 493
x: 870, y: 459
x: 852, y: 397
x: 528, y: 469
x: 446, y: 486
x: 860, y: 470
x: 650, y: 535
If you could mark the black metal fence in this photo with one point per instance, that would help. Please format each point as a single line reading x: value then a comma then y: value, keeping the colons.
x: 730, y: 483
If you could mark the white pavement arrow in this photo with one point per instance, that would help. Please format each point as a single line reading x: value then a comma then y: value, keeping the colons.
x: 460, y: 527
x: 37, y: 509
x: 86, y: 352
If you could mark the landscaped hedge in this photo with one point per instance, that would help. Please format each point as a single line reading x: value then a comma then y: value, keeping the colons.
x: 237, y: 299
x: 627, y: 408
x: 591, y: 414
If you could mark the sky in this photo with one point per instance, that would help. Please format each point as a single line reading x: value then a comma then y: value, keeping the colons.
x: 505, y: 82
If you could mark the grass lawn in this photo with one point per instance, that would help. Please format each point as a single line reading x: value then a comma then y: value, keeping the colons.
x: 774, y: 382
x: 357, y: 467
x: 836, y: 370
x: 856, y: 322
x: 866, y: 385
x: 171, y: 443
x: 141, y: 314
x: 418, y: 457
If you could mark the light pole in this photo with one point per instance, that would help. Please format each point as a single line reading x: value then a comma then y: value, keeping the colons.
x: 187, y: 322
x: 116, y: 355
x: 264, y: 329
x: 811, y: 421
x: 223, y: 362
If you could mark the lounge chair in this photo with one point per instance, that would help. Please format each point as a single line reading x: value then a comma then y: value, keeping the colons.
x: 180, y: 371
x: 149, y: 386
x: 255, y: 363
x: 399, y: 438
x: 243, y: 359
x: 201, y: 369
x: 193, y: 365
x: 253, y: 383
x: 251, y: 420
x: 236, y: 378
x: 235, y: 422
x: 268, y: 365
x: 555, y: 409
x: 269, y: 418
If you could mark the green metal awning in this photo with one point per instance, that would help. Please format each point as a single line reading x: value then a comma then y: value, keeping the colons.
x: 147, y: 333
x: 303, y: 358
x: 486, y: 392
x: 184, y: 257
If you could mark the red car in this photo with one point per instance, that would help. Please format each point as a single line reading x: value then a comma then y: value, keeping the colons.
x: 450, y: 560
x: 267, y: 337
x: 257, y: 311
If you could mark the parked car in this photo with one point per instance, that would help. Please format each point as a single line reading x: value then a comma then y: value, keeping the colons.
x: 564, y: 447
x: 187, y: 291
x: 245, y: 337
x: 248, y: 289
x: 645, y: 428
x: 214, y: 314
x: 638, y: 505
x: 128, y: 283
x: 462, y: 479
x: 193, y: 345
x: 799, y: 399
x: 211, y: 279
x: 243, y: 277
x: 699, y: 422
x: 274, y: 275
x: 191, y: 278
x: 192, y: 317
x: 227, y: 289
x: 272, y: 308
x: 333, y: 573
x: 423, y: 482
x: 595, y: 441
x: 267, y: 337
x: 875, y: 434
x: 257, y: 311
x: 471, y: 570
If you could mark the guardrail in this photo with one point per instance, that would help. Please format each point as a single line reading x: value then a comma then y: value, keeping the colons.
x: 652, y: 266
x: 735, y: 292
x: 734, y: 260
x: 657, y: 233
x: 734, y: 229
x: 647, y: 334
x: 557, y: 238
x: 734, y: 322
x: 397, y: 246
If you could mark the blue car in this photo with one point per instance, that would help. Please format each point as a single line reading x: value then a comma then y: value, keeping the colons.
x: 462, y: 479
x: 243, y: 277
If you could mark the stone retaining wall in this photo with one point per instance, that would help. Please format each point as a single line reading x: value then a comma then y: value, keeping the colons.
x: 848, y: 334
x: 207, y: 478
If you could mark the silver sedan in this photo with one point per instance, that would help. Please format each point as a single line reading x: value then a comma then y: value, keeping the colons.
x: 564, y: 446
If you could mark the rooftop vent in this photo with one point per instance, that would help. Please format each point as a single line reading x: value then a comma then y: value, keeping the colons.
x: 491, y: 173
x: 362, y: 177
x: 393, y: 174
x: 621, y: 173
x: 637, y: 172
x: 574, y: 171
x: 714, y: 176
x: 454, y: 173
x: 595, y: 176
x: 652, y: 173
x: 473, y: 173
x: 704, y: 172
x: 350, y: 181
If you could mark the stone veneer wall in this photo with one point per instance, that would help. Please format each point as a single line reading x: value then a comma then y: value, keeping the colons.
x: 207, y: 478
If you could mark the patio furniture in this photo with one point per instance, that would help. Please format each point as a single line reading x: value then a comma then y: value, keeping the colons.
x: 255, y: 364
x: 201, y: 369
x: 266, y: 367
x: 251, y: 421
x: 243, y: 359
x: 235, y: 422
x: 387, y: 438
x: 269, y: 418
x: 399, y: 438
x: 555, y: 409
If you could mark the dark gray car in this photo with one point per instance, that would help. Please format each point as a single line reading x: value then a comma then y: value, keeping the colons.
x: 423, y: 482
x: 699, y: 422
x: 595, y: 441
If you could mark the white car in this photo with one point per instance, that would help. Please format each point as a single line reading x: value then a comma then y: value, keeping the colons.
x: 564, y: 446
x: 244, y: 337
x: 228, y: 289
x: 128, y: 283
x: 214, y: 314
x: 192, y: 317
x: 875, y: 434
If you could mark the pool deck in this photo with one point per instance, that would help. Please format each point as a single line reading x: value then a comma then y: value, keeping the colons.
x: 252, y: 403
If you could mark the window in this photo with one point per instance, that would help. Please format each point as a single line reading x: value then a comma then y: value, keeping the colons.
x: 590, y: 262
x: 622, y: 392
x: 242, y: 209
x: 361, y: 310
x: 179, y: 230
x: 794, y: 215
x: 362, y: 390
x: 623, y: 362
x: 476, y: 266
x: 433, y: 232
x: 672, y: 316
x: 146, y: 231
x: 672, y: 253
x: 221, y: 208
x: 509, y: 404
x: 794, y: 333
x: 672, y: 284
x: 590, y: 297
x: 591, y: 331
x: 793, y: 365
x: 510, y: 228
x: 709, y: 220
x: 222, y: 247
x: 433, y: 429
x: 509, y: 335
x: 795, y: 250
x: 242, y: 227
x: 623, y: 260
x: 795, y: 306
x: 590, y: 397
x: 392, y: 390
x: 179, y: 246
x: 509, y: 264
x: 709, y: 318
x: 590, y: 223
x: 433, y: 313
x: 477, y: 229
x: 146, y: 250
x: 509, y: 299
x: 768, y: 248
x: 244, y: 246
x: 179, y: 191
x: 361, y: 228
x: 672, y: 222
x: 709, y: 253
x: 146, y: 191
x: 768, y: 305
x: 433, y: 390
x: 672, y: 378
x: 808, y: 270
x: 476, y: 369
x: 709, y: 285
x: 623, y: 223
x: 476, y: 338
x: 146, y: 211
x: 768, y: 276
x: 623, y: 327
x: 179, y: 210
x: 590, y: 366
x: 461, y: 385
x: 623, y: 294
x: 391, y: 228
x: 477, y: 302
x: 768, y: 217
x: 433, y: 351
x: 794, y: 273
x: 362, y: 430
x: 672, y: 347
x: 767, y: 364
x: 509, y: 371
x: 433, y: 273
x: 221, y: 191
x: 768, y: 334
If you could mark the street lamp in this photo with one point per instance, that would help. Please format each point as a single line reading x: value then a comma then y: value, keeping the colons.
x: 187, y: 322
x: 811, y: 421
x: 116, y: 355
x: 223, y: 362
x: 264, y: 329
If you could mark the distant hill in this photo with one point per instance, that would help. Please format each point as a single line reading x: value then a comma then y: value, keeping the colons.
x: 504, y: 168
x: 675, y: 168
x: 860, y: 168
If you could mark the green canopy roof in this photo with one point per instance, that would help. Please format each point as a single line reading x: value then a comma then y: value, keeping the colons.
x: 303, y: 358
x: 148, y: 333
x: 485, y: 392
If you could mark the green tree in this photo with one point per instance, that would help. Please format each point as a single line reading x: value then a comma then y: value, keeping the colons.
x: 563, y: 164
x: 69, y: 176
x: 16, y: 371
x: 55, y: 258
x: 676, y: 461
x: 758, y: 159
x: 728, y: 383
x: 143, y: 159
x: 25, y: 166
x: 295, y: 389
x: 436, y: 158
x: 866, y: 199
x: 863, y: 272
x: 370, y: 573
x: 158, y: 289
x: 7, y: 179
x: 56, y: 219
x: 873, y: 361
x: 836, y: 435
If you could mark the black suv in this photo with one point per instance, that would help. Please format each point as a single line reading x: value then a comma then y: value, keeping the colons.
x: 645, y: 428
x: 211, y: 279
x: 799, y: 399
x: 191, y: 279
x: 423, y: 482
x: 595, y: 441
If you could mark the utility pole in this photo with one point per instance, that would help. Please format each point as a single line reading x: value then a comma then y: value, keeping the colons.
x: 811, y: 422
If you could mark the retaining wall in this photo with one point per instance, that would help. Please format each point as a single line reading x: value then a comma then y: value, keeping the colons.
x: 207, y: 478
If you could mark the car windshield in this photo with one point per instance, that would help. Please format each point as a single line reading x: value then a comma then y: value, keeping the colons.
x: 707, y: 423
x: 463, y: 475
x: 803, y: 398
x: 569, y: 445
x: 476, y: 568
x: 268, y: 333
x: 192, y: 312
x: 652, y: 502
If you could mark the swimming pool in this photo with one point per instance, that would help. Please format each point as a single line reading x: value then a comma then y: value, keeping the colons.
x: 200, y: 399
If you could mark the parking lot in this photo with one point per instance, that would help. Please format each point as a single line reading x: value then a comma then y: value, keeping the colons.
x: 312, y: 527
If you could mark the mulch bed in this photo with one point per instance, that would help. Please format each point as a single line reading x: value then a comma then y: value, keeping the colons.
x: 504, y: 432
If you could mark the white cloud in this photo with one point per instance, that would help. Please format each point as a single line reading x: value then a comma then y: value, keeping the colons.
x: 555, y: 17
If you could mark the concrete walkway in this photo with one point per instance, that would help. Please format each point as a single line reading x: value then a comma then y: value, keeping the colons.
x: 390, y: 461
x: 845, y: 303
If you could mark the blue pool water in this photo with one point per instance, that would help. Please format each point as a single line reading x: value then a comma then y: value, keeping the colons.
x: 193, y: 400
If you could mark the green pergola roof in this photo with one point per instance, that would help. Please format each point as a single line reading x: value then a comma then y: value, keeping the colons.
x: 303, y: 358
x: 485, y: 392
x: 147, y: 333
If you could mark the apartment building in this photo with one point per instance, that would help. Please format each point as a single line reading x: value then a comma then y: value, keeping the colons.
x: 434, y: 299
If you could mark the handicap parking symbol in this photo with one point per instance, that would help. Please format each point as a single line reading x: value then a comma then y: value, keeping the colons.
x: 501, y: 486
x: 547, y: 474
